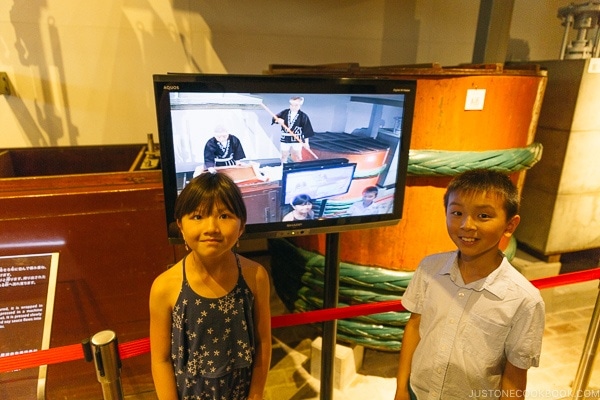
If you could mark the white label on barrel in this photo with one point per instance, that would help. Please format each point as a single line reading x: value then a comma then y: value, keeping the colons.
x: 475, y: 99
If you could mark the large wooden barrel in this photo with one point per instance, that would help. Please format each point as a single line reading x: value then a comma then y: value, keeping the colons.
x: 508, y: 120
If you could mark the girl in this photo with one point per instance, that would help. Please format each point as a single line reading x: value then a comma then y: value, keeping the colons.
x: 301, y: 209
x: 210, y: 323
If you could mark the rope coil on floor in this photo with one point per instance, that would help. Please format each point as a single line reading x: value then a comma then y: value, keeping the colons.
x: 141, y: 346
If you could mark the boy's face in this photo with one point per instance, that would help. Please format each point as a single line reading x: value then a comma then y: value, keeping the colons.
x: 369, y: 197
x: 476, y: 222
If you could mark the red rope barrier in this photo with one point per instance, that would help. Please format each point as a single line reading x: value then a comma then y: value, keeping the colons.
x: 567, y: 279
x: 41, y: 357
x: 326, y: 314
x: 141, y: 346
x: 134, y: 348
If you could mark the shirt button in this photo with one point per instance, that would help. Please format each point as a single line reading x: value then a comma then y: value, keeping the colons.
x: 461, y: 294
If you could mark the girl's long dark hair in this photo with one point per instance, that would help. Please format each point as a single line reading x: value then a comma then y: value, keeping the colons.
x: 206, y: 191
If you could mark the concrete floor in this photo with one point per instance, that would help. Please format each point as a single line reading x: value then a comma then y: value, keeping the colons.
x: 569, y: 311
x: 565, y: 333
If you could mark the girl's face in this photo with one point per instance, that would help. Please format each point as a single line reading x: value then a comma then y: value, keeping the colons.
x: 211, y: 234
x: 303, y: 209
x: 476, y: 223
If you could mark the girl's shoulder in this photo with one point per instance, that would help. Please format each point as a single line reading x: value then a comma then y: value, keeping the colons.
x: 254, y: 273
x: 250, y: 265
x: 169, y: 280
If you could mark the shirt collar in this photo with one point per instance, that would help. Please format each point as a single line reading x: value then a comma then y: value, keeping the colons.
x: 493, y: 283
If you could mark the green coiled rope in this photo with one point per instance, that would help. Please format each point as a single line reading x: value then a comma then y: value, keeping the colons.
x: 450, y: 163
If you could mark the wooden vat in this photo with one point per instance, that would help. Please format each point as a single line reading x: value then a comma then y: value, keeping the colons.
x: 105, y: 218
x: 508, y: 120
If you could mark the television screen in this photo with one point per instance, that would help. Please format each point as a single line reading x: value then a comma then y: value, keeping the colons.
x: 310, y: 154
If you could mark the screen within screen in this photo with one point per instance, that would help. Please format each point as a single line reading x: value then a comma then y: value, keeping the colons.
x: 297, y: 156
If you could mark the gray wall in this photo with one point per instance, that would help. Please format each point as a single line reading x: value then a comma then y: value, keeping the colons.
x: 81, y: 72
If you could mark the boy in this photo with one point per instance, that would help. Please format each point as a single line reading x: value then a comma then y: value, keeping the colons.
x: 476, y: 323
x: 366, y: 206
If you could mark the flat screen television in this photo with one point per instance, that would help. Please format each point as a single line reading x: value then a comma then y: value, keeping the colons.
x: 357, y: 145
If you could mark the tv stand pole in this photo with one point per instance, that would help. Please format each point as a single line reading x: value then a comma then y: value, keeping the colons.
x: 330, y: 300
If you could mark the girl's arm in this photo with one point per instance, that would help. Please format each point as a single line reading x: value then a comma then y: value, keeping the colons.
x: 410, y: 340
x: 160, y: 341
x: 514, y: 382
x: 262, y: 323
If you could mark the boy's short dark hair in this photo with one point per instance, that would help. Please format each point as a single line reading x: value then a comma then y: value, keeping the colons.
x: 208, y: 190
x: 486, y: 180
x: 370, y: 189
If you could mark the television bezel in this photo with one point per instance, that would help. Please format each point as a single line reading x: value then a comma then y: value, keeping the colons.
x: 164, y: 84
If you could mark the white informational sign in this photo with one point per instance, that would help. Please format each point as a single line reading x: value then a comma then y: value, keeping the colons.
x: 475, y: 99
x: 27, y: 289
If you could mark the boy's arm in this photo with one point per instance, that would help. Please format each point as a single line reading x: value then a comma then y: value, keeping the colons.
x: 410, y: 340
x: 514, y: 382
x: 262, y: 321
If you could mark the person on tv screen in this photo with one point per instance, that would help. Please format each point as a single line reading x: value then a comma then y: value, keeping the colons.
x: 296, y: 129
x: 302, y: 209
x: 367, y: 205
x: 477, y: 324
x: 223, y: 149
x: 210, y: 318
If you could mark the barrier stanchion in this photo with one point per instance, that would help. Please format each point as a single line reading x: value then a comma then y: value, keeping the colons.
x: 103, y: 349
x: 586, y: 363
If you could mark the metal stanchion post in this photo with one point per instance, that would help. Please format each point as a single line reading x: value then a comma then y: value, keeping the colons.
x: 330, y: 300
x: 103, y: 348
x: 582, y: 378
